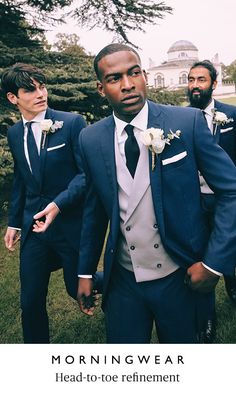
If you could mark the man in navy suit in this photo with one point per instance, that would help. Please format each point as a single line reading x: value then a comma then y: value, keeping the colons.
x: 221, y: 120
x: 141, y: 166
x: 48, y: 178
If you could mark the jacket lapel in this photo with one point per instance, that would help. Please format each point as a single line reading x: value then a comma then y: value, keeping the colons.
x: 43, y: 151
x: 108, y: 153
x: 20, y: 147
x: 217, y: 127
x: 156, y: 120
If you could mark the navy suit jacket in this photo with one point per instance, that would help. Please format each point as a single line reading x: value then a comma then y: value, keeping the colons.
x: 61, y: 180
x: 182, y: 222
x: 226, y: 134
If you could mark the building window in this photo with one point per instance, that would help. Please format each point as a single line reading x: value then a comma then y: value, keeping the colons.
x: 159, y: 81
x: 183, y: 79
x: 182, y: 55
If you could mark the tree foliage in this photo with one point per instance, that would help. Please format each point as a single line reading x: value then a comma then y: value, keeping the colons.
x: 120, y: 16
x: 230, y: 72
x: 15, y: 31
x: 116, y: 16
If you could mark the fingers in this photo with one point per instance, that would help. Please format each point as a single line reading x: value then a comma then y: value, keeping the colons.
x: 41, y: 226
x: 40, y: 214
x: 11, y: 239
x: 87, y: 304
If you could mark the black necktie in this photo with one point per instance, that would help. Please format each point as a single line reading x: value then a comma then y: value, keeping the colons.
x: 33, y: 152
x: 131, y: 150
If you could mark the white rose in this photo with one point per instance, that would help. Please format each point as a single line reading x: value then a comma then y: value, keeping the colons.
x: 146, y: 138
x: 221, y: 117
x: 46, y: 124
x: 151, y: 134
x: 158, y: 145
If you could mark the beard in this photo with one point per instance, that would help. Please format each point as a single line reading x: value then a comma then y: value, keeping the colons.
x: 200, y: 100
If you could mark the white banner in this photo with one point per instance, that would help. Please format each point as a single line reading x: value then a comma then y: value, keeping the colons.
x: 57, y: 368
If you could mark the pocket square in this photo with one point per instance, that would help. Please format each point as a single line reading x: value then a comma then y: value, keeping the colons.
x: 175, y: 158
x: 222, y: 130
x: 56, y: 147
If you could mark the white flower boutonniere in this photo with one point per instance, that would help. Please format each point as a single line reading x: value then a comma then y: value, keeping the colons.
x: 155, y: 140
x: 220, y: 118
x: 48, y: 126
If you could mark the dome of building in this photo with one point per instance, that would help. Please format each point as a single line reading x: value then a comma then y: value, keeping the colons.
x: 182, y: 45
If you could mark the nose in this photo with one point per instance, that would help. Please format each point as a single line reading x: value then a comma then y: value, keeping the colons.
x: 127, y: 83
x: 39, y: 92
x: 195, y: 83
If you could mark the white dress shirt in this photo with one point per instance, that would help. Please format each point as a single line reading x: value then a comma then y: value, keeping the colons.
x: 140, y: 124
x: 208, y: 113
x: 37, y: 131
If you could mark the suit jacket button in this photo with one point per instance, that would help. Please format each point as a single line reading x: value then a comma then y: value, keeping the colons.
x: 156, y: 245
x: 159, y: 265
x: 132, y: 247
x: 128, y: 228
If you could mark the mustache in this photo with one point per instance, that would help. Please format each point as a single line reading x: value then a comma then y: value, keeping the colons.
x: 196, y: 89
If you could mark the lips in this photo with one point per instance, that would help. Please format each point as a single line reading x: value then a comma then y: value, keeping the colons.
x: 196, y: 92
x: 41, y: 102
x: 130, y: 99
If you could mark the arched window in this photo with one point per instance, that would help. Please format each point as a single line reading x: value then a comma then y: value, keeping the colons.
x: 183, y: 78
x: 159, y: 81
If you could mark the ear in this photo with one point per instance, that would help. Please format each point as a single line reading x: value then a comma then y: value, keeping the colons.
x: 100, y: 89
x: 12, y: 98
x: 145, y: 76
x: 214, y: 85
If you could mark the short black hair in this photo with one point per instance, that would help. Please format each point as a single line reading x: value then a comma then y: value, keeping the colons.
x: 108, y: 50
x: 21, y: 75
x: 209, y: 66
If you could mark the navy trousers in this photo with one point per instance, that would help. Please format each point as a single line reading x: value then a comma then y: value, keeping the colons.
x: 37, y: 256
x: 131, y: 309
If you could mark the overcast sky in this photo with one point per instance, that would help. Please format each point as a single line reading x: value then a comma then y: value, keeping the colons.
x: 210, y: 25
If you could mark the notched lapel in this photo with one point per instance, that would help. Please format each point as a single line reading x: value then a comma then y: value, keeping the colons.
x: 108, y: 151
x: 43, y: 151
x: 21, y: 151
x: 156, y: 120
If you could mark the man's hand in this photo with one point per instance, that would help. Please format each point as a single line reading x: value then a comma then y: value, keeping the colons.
x: 12, y: 236
x: 201, y: 279
x: 49, y: 214
x: 85, y: 296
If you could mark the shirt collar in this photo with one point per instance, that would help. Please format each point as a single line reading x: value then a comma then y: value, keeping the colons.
x: 209, y: 109
x: 140, y: 121
x: 39, y: 117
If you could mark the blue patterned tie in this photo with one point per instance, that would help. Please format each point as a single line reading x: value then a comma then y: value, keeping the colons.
x: 33, y: 152
x: 131, y: 150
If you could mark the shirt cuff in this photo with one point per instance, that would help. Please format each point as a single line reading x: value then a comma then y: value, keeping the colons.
x: 212, y: 270
x: 85, y: 276
x: 56, y: 206
x: 17, y: 229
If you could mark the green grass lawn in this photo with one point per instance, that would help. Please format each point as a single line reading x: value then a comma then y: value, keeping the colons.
x: 67, y: 323
x: 229, y: 100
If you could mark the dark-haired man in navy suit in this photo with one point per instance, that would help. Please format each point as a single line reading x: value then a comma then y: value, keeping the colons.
x: 141, y: 166
x: 221, y: 120
x: 47, y: 175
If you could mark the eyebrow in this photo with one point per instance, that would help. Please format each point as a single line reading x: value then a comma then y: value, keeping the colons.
x: 119, y: 73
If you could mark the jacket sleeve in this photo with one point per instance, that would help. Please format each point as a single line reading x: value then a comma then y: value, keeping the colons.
x: 17, y: 202
x: 76, y: 188
x: 220, y: 173
x: 94, y: 226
